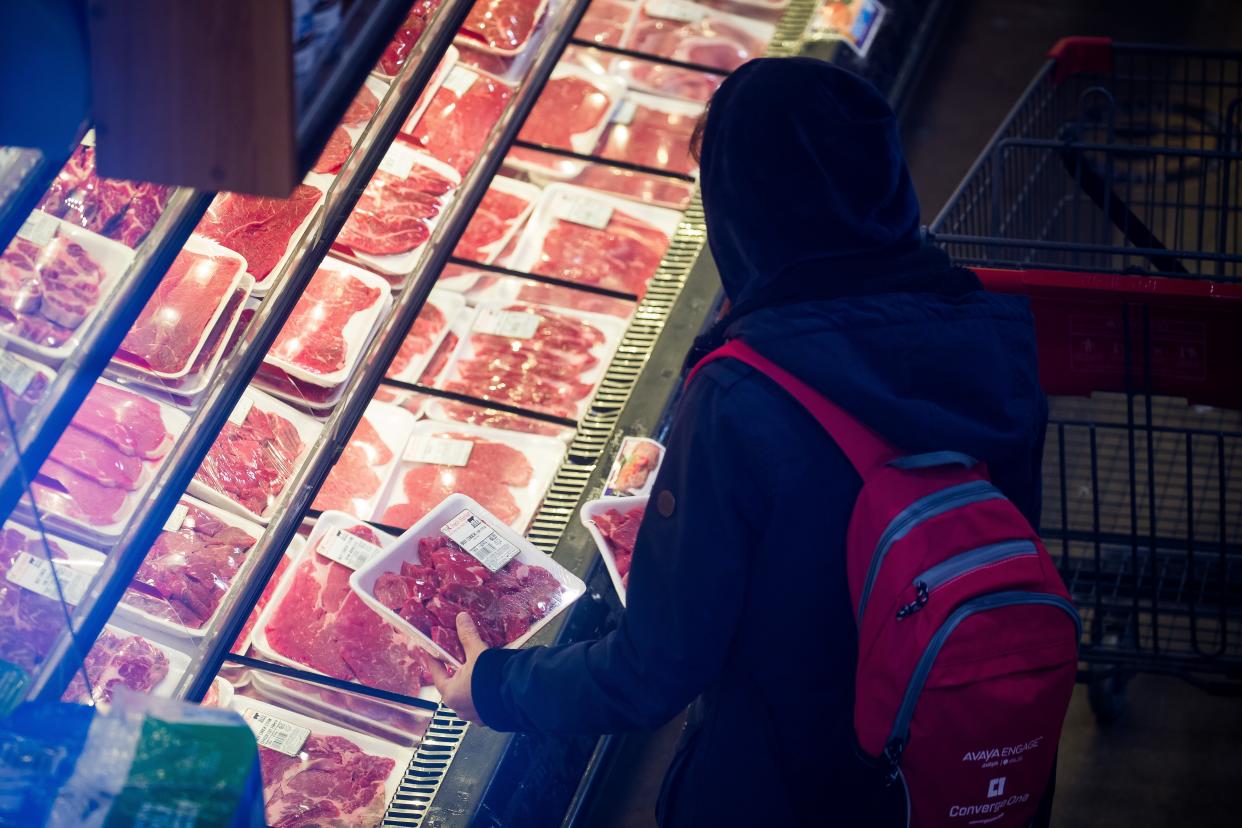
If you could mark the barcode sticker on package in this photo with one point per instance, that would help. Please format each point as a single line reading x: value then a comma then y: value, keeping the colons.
x: 347, y: 549
x: 584, y: 210
x: 439, y: 451
x: 238, y: 416
x: 36, y: 575
x: 482, y: 541
x: 177, y: 519
x: 38, y: 228
x: 399, y: 160
x: 15, y: 374
x: 511, y: 324
x: 459, y: 80
x: 276, y: 734
x: 675, y: 10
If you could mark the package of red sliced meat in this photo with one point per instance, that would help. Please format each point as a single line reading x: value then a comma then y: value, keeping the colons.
x: 534, y: 356
x: 607, y: 22
x: 508, y: 472
x: 190, y: 567
x: 693, y: 33
x: 613, y: 523
x: 345, y: 137
x: 97, y: 473
x: 595, y: 239
x: 424, y: 338
x: 504, y: 208
x: 456, y: 124
x: 24, y: 384
x: 315, y: 622
x: 293, y: 553
x: 316, y: 773
x: 434, y: 371
x: 652, y: 131
x: 452, y: 411
x: 54, y: 277
x: 362, y: 471
x: 121, y: 657
x: 512, y: 289
x: 461, y: 558
x: 264, y: 231
x: 571, y: 113
x: 459, y: 278
x: 398, y: 212
x: 404, y: 41
x: 261, y: 446
x: 503, y: 27
x: 636, y: 186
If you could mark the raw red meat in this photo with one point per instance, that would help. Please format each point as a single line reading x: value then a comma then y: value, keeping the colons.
x: 29, y: 622
x: 61, y: 490
x: 418, y: 341
x: 146, y: 205
x: 368, y: 439
x: 251, y: 463
x: 446, y: 581
x: 96, y: 458
x: 495, y: 217
x: 505, y: 25
x: 322, y: 624
x: 455, y: 128
x: 650, y: 189
x: 465, y: 413
x: 403, y: 41
x: 353, y: 480
x: 361, y: 109
x: 624, y: 255
x: 257, y: 227
x: 604, y: 22
x: 440, y: 358
x: 426, y: 486
x: 330, y: 782
x: 21, y: 289
x: 710, y: 41
x: 128, y: 421
x: 392, y: 215
x: 620, y: 530
x: 269, y: 590
x: 313, y: 337
x: 569, y: 105
x: 116, y: 660
x: 19, y: 406
x: 48, y: 291
x: 188, y: 570
x: 558, y: 296
x: 653, y: 138
x: 176, y: 317
x: 335, y: 152
x: 122, y: 210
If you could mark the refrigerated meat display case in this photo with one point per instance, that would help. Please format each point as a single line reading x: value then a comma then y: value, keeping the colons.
x: 219, y: 407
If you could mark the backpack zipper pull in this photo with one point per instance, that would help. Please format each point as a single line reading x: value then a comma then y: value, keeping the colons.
x: 892, y: 756
x: 920, y: 600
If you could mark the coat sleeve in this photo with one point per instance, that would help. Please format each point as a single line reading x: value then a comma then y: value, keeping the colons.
x: 685, y: 595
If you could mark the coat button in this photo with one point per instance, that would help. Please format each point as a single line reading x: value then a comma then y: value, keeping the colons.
x: 666, y: 504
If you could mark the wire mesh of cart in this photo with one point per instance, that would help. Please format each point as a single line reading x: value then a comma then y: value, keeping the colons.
x: 1112, y: 197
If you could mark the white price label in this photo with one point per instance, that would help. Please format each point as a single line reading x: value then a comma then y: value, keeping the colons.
x: 459, y: 80
x: 39, y: 228
x: 511, y: 324
x: 439, y: 451
x: 277, y: 734
x: 584, y: 210
x: 88, y: 140
x: 176, y: 520
x: 15, y: 374
x: 36, y: 575
x: 347, y: 549
x: 399, y: 160
x: 482, y: 541
x: 675, y: 10
x: 625, y: 113
x: 238, y: 415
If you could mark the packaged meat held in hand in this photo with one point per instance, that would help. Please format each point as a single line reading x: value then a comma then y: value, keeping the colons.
x: 259, y: 448
x: 315, y: 621
x: 652, y: 131
x: 124, y: 211
x: 460, y: 558
x: 504, y: 208
x: 506, y: 471
x: 362, y: 471
x: 502, y: 26
x: 595, y: 239
x: 571, y: 113
x: 426, y: 334
x: 613, y: 523
x: 455, y: 125
x: 119, y: 658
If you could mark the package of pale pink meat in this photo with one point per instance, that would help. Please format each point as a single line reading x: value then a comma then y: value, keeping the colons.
x: 121, y: 657
x: 443, y: 410
x: 461, y: 558
x: 607, y: 22
x: 435, y: 369
x: 362, y: 471
x: 502, y: 27
x: 508, y: 289
x: 428, y: 331
x: 653, y: 131
x: 595, y: 239
x: 533, y: 356
x: 54, y: 278
x: 573, y: 109
x: 260, y: 448
x: 98, y: 471
x: 313, y: 621
x: 500, y: 214
x: 456, y: 124
x: 613, y: 523
x: 24, y: 384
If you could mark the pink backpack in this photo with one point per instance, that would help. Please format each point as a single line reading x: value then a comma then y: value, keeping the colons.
x: 967, y: 639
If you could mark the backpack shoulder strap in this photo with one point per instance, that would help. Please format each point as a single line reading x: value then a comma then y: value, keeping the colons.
x: 865, y: 449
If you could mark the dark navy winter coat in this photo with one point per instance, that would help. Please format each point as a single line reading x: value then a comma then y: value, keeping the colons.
x: 737, y: 592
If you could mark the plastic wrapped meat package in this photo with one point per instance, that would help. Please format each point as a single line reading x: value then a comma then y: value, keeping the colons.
x: 435, y: 367
x: 264, y: 230
x: 607, y: 22
x: 261, y: 446
x: 341, y: 143
x: 361, y: 473
x: 452, y: 411
x: 403, y: 42
x: 652, y: 131
x: 316, y: 773
x: 572, y: 111
x: 429, y: 330
x: 636, y: 186
x: 503, y: 27
x: 493, y: 288
x: 190, y: 567
x: 541, y: 358
x: 96, y: 474
x: 460, y: 558
x: 595, y: 239
x: 398, y: 211
x: 315, y: 622
x: 504, y: 209
x: 507, y: 472
x: 613, y: 523
x: 121, y: 657
x: 23, y: 385
x: 54, y: 277
x: 456, y: 124
x: 293, y: 553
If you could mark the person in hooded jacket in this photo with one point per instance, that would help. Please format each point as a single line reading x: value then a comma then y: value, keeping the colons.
x: 737, y: 592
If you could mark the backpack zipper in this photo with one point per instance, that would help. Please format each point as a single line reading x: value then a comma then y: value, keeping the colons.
x: 960, y: 564
x: 925, y: 508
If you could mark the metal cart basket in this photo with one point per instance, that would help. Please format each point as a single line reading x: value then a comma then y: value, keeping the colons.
x: 1111, y: 197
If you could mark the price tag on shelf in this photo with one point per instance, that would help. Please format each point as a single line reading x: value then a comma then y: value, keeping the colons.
x: 399, y: 160
x: 347, y: 549
x: 459, y: 80
x: 276, y: 734
x: 15, y: 374
x: 88, y: 140
x: 439, y: 451
x: 238, y: 416
x: 36, y: 575
x: 624, y: 113
x: 584, y: 210
x: 38, y: 228
x: 482, y: 541
x: 675, y: 10
x: 511, y: 324
x: 176, y: 520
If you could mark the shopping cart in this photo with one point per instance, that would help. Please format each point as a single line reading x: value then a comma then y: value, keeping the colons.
x: 1112, y: 197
